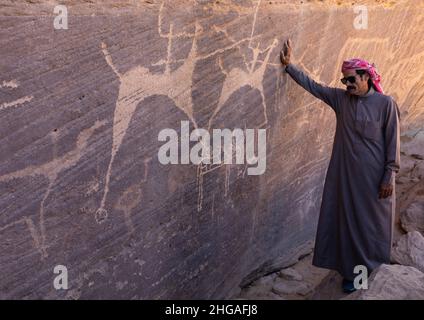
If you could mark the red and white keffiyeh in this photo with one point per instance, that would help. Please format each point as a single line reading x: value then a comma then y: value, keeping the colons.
x: 355, y: 64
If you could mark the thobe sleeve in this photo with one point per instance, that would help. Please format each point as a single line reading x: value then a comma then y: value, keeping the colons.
x: 322, y: 92
x: 392, y: 142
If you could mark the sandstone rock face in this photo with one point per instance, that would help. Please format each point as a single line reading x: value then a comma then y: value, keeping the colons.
x: 410, y: 183
x: 392, y: 282
x: 409, y: 250
x: 80, y: 114
x: 415, y: 149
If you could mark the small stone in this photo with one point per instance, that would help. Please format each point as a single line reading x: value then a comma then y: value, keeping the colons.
x: 266, y: 281
x: 290, y: 287
x: 413, y: 217
x: 290, y: 274
x: 409, y: 250
x: 255, y: 291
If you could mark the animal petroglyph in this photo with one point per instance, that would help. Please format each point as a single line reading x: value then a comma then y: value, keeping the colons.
x: 139, y: 83
x: 50, y: 170
x: 235, y: 79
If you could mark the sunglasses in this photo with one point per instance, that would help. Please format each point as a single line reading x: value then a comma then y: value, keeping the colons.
x: 351, y: 79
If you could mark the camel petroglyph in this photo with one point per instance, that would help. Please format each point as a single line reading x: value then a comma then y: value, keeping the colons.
x: 51, y: 171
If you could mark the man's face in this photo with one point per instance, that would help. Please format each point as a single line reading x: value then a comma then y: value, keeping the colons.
x: 359, y: 86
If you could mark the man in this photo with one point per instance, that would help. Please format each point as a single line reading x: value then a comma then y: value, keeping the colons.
x: 355, y: 225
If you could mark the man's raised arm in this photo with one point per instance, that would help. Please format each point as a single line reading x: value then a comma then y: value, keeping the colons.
x: 324, y: 93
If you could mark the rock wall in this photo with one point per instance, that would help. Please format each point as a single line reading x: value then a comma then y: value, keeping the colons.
x: 81, y: 110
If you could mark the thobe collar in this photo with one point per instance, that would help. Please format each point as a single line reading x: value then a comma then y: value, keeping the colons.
x: 369, y: 93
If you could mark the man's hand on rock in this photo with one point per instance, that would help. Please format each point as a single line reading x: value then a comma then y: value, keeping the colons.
x: 385, y: 191
x: 285, y: 54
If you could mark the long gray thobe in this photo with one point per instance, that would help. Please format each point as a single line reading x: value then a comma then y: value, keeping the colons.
x: 355, y: 227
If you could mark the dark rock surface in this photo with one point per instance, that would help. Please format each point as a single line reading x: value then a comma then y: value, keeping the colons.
x: 80, y: 113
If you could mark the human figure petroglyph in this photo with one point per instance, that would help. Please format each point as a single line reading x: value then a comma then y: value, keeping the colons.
x: 50, y: 170
x: 131, y: 198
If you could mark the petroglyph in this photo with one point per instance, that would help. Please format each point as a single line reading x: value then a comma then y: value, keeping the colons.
x: 16, y: 103
x: 50, y: 170
x: 127, y: 202
x: 139, y: 83
x: 237, y: 78
x: 13, y: 84
x: 160, y: 241
x: 204, y: 168
x: 132, y: 197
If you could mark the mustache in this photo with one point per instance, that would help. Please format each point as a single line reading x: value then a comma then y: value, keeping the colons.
x: 350, y: 87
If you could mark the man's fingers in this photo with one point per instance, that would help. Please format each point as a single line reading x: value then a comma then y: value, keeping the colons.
x: 385, y: 192
x: 382, y: 192
x: 282, y: 56
x: 285, y: 52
